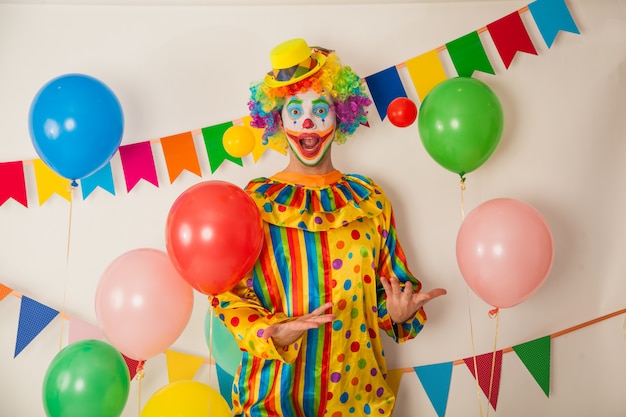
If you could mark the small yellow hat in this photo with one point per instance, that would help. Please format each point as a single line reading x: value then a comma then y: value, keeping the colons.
x: 292, y: 61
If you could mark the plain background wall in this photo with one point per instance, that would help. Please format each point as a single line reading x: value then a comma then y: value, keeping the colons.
x: 181, y: 68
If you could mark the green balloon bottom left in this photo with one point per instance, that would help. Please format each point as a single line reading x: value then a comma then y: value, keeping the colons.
x: 88, y: 378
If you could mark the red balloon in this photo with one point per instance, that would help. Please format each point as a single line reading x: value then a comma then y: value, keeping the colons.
x: 402, y: 112
x: 504, y: 250
x: 214, y: 235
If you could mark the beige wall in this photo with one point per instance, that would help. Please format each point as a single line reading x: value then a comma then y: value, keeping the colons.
x: 177, y: 69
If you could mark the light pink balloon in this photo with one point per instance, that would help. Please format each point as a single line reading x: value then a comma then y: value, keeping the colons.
x: 142, y: 303
x: 504, y: 249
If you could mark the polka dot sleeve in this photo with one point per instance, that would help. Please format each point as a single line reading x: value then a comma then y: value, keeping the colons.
x: 393, y: 264
x: 245, y: 317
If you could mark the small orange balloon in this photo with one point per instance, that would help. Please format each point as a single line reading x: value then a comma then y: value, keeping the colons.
x: 238, y: 141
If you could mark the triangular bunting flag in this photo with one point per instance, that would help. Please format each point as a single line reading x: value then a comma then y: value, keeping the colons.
x: 225, y: 381
x: 132, y: 364
x: 436, y: 382
x: 385, y: 86
x: 259, y: 149
x: 509, y: 36
x: 34, y: 317
x: 426, y: 71
x: 535, y: 355
x: 468, y: 55
x: 102, y: 178
x: 138, y: 163
x: 394, y: 377
x: 13, y: 184
x: 180, y: 154
x: 49, y: 182
x: 486, y: 363
x: 80, y: 330
x: 4, y: 291
x: 551, y: 16
x: 182, y: 366
x: 215, y: 148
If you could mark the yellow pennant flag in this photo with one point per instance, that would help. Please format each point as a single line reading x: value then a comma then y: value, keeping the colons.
x: 182, y: 366
x: 49, y: 182
x: 259, y: 148
x: 426, y: 71
x: 394, y: 376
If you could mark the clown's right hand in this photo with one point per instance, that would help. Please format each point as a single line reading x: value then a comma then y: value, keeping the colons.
x: 288, y: 332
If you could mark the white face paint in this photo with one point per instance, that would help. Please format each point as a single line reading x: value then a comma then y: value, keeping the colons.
x: 309, y: 121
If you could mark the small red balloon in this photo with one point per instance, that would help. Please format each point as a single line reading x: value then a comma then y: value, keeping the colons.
x: 402, y: 112
x: 214, y: 235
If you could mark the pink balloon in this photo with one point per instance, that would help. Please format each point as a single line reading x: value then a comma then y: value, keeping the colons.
x: 504, y: 250
x: 142, y: 303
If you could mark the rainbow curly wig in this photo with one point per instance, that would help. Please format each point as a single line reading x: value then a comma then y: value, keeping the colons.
x: 345, y: 87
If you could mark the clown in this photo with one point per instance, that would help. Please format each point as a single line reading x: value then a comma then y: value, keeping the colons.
x: 332, y: 272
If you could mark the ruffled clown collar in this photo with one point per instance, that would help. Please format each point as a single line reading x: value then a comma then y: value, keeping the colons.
x: 315, y: 202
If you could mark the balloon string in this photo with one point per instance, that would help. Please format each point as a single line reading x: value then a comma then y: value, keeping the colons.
x: 139, y: 374
x: 493, y: 313
x: 463, y: 198
x: 469, y: 310
x: 210, y: 353
x: 67, y: 264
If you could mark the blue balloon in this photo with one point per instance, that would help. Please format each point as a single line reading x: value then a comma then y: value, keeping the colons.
x: 76, y: 125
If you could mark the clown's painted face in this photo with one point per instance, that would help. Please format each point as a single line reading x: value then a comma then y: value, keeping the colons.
x: 309, y: 121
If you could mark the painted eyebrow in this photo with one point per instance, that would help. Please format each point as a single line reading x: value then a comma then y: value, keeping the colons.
x: 294, y: 101
x: 320, y: 100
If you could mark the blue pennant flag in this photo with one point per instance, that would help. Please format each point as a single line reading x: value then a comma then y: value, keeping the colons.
x: 101, y: 178
x: 385, y: 86
x: 34, y: 317
x: 225, y: 381
x: 436, y: 382
x: 551, y: 16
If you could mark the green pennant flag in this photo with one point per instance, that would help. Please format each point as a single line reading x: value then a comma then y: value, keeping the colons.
x: 535, y: 355
x: 215, y: 148
x: 468, y: 55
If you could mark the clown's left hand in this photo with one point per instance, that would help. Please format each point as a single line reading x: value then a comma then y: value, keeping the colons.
x: 403, y: 303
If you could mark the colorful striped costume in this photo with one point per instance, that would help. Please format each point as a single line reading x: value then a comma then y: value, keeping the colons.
x: 327, y: 238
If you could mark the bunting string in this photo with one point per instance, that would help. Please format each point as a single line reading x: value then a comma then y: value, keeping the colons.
x: 494, y: 358
x: 467, y: 53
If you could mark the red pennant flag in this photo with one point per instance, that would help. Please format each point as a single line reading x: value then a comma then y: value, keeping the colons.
x: 133, y: 366
x: 138, y: 163
x: 510, y: 36
x: 487, y: 364
x: 12, y: 184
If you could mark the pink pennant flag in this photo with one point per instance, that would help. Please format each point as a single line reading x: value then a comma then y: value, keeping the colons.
x: 489, y: 370
x: 80, y: 330
x: 13, y: 184
x: 138, y: 163
x: 510, y: 36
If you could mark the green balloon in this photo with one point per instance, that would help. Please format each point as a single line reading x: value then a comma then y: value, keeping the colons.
x: 88, y: 378
x: 222, y: 345
x: 460, y: 123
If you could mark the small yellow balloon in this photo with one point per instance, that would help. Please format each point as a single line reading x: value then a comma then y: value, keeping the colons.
x: 238, y: 141
x: 186, y: 399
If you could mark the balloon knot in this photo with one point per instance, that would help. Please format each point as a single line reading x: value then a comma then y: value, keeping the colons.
x: 139, y: 373
x: 493, y: 313
x: 74, y: 183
